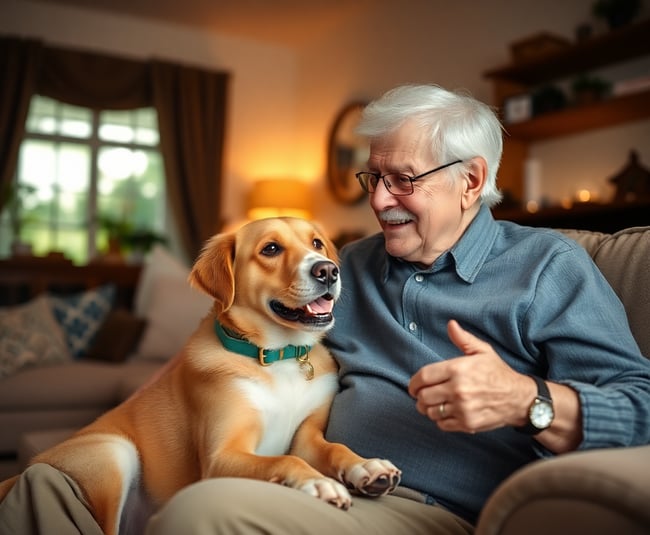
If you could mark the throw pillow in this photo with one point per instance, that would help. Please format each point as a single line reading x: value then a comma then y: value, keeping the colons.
x: 118, y: 337
x: 174, y: 312
x: 29, y: 335
x: 82, y: 314
x: 160, y: 262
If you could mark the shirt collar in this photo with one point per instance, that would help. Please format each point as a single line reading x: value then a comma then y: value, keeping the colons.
x: 468, y: 253
x: 474, y: 246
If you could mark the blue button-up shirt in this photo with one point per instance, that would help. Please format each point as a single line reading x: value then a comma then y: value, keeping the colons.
x: 535, y: 296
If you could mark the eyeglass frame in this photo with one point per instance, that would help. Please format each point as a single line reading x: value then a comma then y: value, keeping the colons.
x: 388, y: 185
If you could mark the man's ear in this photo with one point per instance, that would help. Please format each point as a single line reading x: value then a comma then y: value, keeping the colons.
x: 473, y: 182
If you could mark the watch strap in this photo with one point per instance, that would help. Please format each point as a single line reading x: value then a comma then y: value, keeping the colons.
x: 543, y: 395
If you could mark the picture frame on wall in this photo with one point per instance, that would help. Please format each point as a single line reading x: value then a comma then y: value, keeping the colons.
x: 347, y: 154
x: 517, y: 108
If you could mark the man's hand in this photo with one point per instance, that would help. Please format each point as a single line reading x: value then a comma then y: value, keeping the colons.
x: 476, y: 391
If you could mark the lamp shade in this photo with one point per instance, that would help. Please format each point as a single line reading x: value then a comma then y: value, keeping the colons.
x: 279, y: 197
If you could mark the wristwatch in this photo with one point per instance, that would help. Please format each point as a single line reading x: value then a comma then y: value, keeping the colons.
x: 540, y: 413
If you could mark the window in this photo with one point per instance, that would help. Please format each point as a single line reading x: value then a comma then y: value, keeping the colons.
x: 84, y: 173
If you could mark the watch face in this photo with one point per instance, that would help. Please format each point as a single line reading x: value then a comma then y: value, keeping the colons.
x: 541, y: 414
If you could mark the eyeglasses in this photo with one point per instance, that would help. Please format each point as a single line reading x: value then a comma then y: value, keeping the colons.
x: 397, y: 184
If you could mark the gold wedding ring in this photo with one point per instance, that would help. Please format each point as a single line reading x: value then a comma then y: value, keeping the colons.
x: 441, y: 409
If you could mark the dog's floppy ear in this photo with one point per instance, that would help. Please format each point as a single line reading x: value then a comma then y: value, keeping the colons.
x: 213, y: 271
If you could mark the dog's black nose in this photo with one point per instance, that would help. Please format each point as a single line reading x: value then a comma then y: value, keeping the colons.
x: 325, y: 272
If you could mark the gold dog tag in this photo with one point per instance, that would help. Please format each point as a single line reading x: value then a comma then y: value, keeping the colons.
x: 306, y: 367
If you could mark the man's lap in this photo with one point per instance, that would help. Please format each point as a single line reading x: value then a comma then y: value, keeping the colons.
x: 45, y: 498
x: 230, y: 505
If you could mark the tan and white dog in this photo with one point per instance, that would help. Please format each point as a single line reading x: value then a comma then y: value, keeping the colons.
x: 249, y: 394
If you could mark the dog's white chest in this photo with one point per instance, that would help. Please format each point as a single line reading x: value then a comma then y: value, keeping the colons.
x: 285, y: 403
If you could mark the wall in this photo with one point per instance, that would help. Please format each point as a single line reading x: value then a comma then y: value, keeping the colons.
x: 283, y: 101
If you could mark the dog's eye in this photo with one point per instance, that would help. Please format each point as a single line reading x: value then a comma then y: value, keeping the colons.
x: 318, y: 244
x: 271, y: 249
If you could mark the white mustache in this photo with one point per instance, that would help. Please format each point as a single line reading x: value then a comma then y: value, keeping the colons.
x: 396, y: 215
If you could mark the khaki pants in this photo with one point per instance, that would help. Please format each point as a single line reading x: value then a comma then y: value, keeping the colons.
x: 44, y: 501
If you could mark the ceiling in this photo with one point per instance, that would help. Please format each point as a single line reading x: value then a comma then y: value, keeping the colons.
x: 284, y: 22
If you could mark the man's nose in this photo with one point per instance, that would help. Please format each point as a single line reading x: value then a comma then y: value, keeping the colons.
x: 381, y: 197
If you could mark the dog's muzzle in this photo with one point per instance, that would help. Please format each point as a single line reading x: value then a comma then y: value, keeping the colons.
x: 317, y: 313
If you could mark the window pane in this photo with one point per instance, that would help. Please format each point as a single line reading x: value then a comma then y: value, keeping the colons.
x: 75, y: 122
x: 146, y: 131
x: 41, y: 116
x: 47, y: 116
x: 116, y: 126
x: 37, y: 164
x: 73, y: 167
x: 60, y: 170
x: 74, y: 244
x: 138, y: 200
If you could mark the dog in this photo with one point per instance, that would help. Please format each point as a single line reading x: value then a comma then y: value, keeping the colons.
x: 248, y: 395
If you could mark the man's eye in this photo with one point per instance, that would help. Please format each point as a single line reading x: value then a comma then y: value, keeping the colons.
x: 271, y: 249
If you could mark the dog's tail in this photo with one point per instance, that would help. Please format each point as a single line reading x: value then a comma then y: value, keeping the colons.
x: 6, y: 486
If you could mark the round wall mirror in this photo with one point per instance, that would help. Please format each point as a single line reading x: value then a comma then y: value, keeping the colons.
x: 347, y: 154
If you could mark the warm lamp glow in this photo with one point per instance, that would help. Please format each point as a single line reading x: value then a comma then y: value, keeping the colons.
x: 279, y: 197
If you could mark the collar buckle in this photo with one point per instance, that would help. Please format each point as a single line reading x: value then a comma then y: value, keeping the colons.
x: 261, y: 356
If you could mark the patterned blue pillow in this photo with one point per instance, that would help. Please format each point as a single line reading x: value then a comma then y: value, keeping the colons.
x: 81, y: 315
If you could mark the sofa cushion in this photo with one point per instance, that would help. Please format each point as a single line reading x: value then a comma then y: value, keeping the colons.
x: 623, y: 258
x: 30, y: 336
x: 170, y: 305
x: 82, y: 314
x: 117, y: 337
x: 175, y: 311
x: 73, y: 385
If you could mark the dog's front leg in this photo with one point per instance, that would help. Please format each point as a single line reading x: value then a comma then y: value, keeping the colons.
x: 236, y: 457
x: 371, y: 477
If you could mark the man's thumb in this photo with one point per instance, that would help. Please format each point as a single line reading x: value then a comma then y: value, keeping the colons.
x: 462, y: 339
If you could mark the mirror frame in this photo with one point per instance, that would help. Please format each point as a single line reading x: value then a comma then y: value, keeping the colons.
x: 340, y: 175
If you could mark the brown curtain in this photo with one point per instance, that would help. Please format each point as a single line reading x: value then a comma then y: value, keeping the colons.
x: 190, y: 103
x: 19, y: 63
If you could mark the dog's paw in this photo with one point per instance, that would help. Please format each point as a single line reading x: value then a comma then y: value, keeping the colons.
x: 373, y: 477
x: 328, y: 490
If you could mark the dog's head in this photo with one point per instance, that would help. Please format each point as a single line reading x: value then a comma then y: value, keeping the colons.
x: 274, y: 280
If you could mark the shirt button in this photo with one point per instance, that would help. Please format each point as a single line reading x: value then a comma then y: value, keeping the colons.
x: 413, y: 326
x: 419, y: 278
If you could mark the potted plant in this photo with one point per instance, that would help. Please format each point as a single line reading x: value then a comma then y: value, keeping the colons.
x: 123, y: 237
x: 616, y: 12
x: 12, y: 200
x: 588, y: 89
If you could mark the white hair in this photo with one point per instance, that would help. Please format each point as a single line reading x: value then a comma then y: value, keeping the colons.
x: 460, y: 127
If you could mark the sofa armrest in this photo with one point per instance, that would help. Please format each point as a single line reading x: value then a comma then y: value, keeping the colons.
x: 597, y: 492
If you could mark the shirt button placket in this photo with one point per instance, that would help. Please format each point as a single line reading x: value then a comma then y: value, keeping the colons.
x: 413, y: 326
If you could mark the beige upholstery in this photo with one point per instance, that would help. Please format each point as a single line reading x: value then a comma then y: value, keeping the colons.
x: 600, y: 491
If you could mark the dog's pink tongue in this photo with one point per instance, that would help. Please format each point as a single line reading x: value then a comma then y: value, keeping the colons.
x: 320, y: 306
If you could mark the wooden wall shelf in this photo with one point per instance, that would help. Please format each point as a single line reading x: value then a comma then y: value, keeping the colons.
x: 576, y: 119
x: 627, y: 42
x: 588, y: 216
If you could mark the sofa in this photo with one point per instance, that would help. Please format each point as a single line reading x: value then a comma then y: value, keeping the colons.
x: 593, y: 492
x: 88, y: 348
x: 596, y: 492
